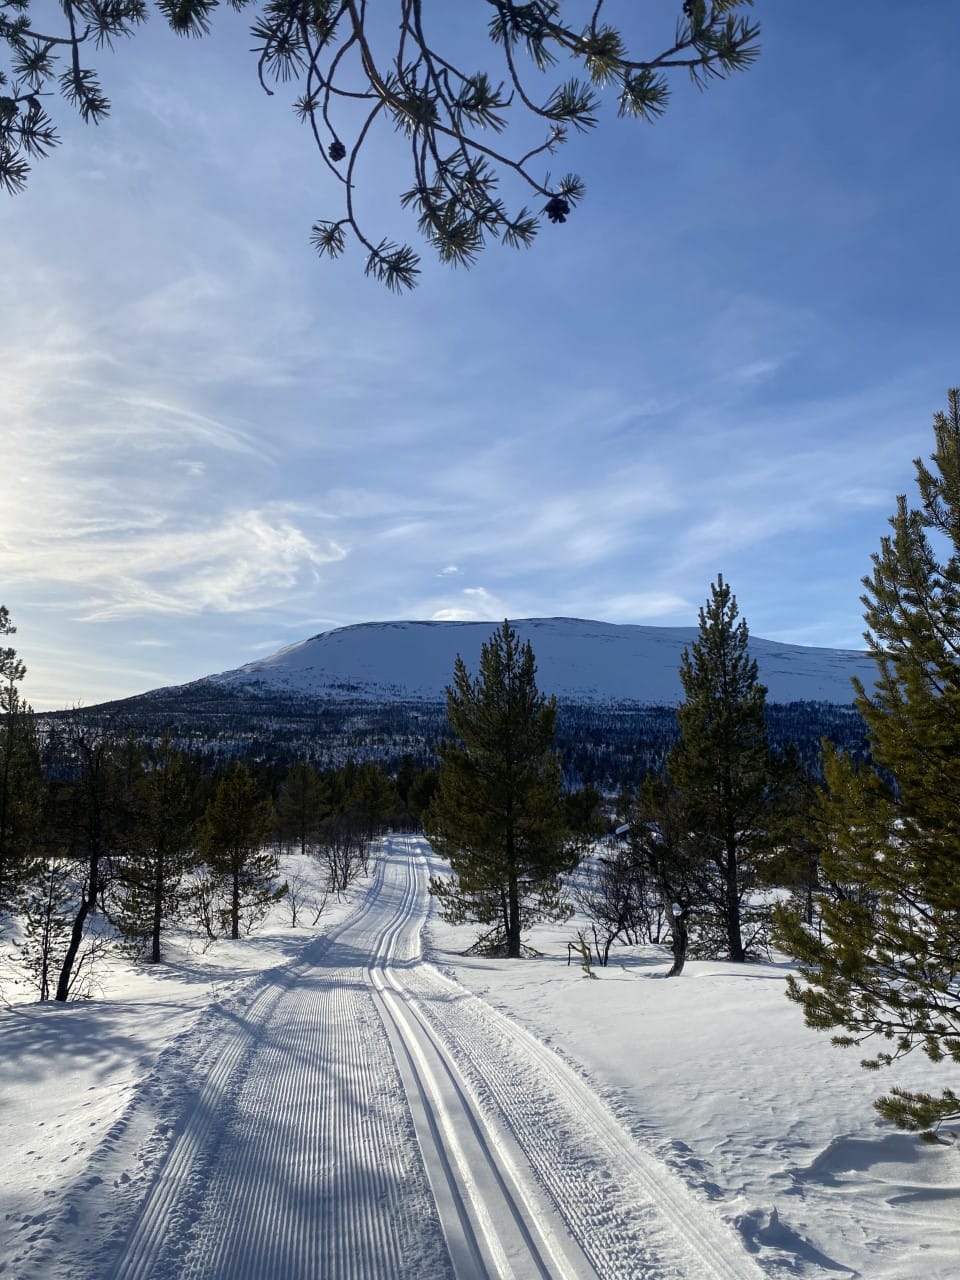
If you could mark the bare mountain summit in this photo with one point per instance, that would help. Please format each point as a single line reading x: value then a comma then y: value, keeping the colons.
x: 578, y: 660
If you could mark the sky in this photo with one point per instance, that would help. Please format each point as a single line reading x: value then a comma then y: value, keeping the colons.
x: 725, y: 361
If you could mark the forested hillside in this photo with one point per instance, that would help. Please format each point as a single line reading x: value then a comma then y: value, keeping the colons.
x: 608, y: 745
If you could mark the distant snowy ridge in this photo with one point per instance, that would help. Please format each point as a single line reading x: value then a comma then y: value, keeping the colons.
x: 578, y: 660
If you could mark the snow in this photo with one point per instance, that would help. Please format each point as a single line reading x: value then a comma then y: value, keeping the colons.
x: 627, y: 1126
x: 577, y: 659
x: 68, y: 1073
x: 718, y: 1075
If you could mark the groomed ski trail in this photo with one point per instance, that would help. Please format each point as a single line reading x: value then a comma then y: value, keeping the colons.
x: 603, y: 1207
x: 364, y: 1117
x: 296, y: 1156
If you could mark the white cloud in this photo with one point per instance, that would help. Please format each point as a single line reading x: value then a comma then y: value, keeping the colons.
x: 164, y: 425
x: 754, y: 371
x: 243, y: 560
x: 645, y: 606
x: 473, y: 604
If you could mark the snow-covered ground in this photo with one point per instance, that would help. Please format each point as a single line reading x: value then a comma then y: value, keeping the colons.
x: 319, y: 1102
x: 716, y: 1073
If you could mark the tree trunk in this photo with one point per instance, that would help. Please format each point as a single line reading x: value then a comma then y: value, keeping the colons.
x: 235, y: 907
x: 4, y: 794
x: 157, y: 909
x: 734, y: 940
x: 76, y: 937
x: 513, y: 921
x: 680, y: 939
x: 46, y: 945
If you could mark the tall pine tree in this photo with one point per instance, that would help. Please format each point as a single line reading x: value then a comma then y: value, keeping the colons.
x: 498, y: 812
x: 885, y: 963
x: 721, y: 774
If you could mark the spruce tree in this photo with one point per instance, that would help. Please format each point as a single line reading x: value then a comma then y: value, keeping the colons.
x: 234, y: 830
x: 498, y: 812
x: 374, y: 800
x: 721, y: 774
x: 667, y: 866
x: 46, y: 910
x: 885, y: 963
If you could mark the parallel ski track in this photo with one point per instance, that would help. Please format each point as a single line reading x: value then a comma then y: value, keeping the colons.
x: 629, y: 1214
x: 498, y: 1225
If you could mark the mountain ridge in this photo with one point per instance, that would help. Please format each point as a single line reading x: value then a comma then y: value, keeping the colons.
x: 375, y: 691
x: 578, y: 659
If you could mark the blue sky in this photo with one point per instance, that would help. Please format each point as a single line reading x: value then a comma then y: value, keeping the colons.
x: 725, y: 361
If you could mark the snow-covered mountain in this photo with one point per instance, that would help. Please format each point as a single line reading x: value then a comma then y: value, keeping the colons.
x: 577, y: 660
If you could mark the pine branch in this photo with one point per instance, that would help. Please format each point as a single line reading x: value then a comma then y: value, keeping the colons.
x: 347, y: 53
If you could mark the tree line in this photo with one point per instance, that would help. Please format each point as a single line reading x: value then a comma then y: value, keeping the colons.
x: 608, y: 745
x: 103, y: 839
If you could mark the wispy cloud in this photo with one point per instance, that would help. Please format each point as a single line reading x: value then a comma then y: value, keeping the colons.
x: 164, y: 425
x: 646, y: 606
x: 249, y: 559
x: 472, y: 604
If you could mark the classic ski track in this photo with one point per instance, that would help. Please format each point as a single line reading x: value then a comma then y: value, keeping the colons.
x: 298, y: 1156
x: 498, y: 1225
x: 631, y: 1216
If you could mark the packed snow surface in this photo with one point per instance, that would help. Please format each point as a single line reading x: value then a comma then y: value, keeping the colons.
x: 576, y: 659
x: 362, y: 1101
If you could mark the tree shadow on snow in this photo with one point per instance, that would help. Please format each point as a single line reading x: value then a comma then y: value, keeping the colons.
x: 794, y: 1253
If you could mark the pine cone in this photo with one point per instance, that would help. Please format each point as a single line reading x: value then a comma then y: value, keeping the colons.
x: 557, y: 209
x: 336, y: 150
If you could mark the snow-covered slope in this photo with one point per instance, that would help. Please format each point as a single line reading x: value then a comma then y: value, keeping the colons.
x: 275, y: 1108
x: 576, y: 660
